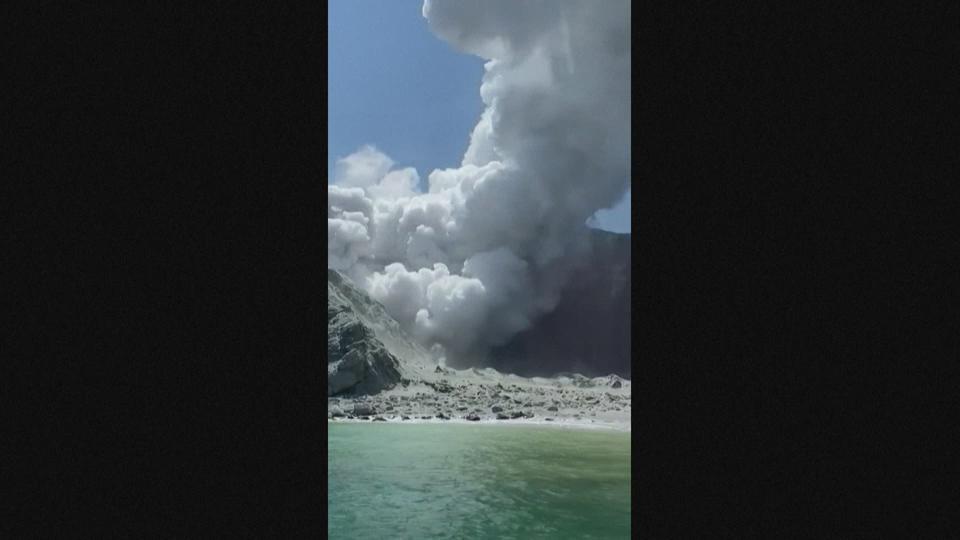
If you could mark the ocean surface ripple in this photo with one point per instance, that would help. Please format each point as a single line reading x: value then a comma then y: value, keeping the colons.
x: 458, y: 481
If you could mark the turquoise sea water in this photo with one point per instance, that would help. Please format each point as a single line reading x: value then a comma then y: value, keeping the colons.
x: 477, y: 482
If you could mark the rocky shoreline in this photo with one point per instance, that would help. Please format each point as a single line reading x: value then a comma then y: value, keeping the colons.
x: 561, y: 401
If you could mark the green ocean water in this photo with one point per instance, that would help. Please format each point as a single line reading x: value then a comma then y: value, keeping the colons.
x: 404, y: 481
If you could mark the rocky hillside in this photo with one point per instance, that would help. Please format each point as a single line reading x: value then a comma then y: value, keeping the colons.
x: 367, y: 352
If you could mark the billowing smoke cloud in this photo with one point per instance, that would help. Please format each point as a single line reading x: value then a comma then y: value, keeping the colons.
x: 487, y: 248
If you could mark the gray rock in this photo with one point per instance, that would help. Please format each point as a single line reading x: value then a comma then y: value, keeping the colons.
x: 364, y: 409
x: 443, y: 387
x: 501, y: 416
x: 379, y: 419
x: 357, y: 361
x: 473, y: 418
x: 496, y: 408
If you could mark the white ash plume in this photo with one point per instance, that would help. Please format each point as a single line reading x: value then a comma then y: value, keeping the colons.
x: 487, y: 248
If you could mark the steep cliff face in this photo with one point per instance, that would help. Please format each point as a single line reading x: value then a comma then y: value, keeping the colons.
x: 357, y: 362
x: 366, y: 350
x: 589, y: 330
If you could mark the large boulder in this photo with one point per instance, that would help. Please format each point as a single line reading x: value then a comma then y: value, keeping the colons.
x: 364, y: 409
x: 366, y: 369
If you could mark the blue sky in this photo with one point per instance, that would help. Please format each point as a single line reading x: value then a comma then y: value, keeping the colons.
x: 396, y: 86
